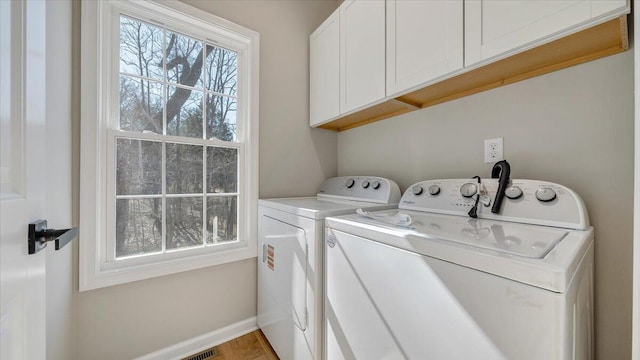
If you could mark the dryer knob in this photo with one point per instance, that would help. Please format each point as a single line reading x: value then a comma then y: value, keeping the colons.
x: 545, y: 194
x: 434, y: 190
x: 365, y: 184
x: 349, y: 183
x: 375, y: 184
x: 468, y: 189
x: 513, y: 192
x: 417, y: 190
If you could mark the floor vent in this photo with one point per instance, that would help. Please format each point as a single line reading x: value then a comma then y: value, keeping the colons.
x: 204, y: 355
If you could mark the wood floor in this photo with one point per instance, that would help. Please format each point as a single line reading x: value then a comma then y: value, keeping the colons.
x: 252, y: 346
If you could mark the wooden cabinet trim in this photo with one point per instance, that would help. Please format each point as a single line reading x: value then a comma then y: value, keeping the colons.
x: 592, y: 43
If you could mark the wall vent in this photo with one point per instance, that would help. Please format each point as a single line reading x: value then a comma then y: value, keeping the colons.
x: 204, y: 355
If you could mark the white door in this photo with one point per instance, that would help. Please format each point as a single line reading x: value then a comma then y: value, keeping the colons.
x: 424, y: 42
x: 494, y: 28
x: 324, y: 71
x: 362, y: 53
x: 22, y: 183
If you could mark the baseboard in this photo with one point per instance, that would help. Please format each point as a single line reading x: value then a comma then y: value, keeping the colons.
x: 199, y: 343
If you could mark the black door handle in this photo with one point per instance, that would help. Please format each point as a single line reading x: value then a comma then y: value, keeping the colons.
x: 39, y: 235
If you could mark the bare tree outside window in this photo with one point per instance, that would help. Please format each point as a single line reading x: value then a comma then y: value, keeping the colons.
x: 174, y: 193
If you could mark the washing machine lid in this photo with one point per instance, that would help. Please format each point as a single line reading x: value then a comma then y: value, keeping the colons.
x: 502, y: 237
x: 541, y: 256
x: 319, y: 208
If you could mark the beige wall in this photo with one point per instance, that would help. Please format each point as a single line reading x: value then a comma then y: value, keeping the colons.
x: 294, y: 159
x: 573, y: 127
x: 130, y: 320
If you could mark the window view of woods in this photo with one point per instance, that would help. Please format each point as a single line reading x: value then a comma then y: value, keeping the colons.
x: 176, y: 154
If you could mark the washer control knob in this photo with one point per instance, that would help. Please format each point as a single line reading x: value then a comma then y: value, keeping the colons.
x: 434, y: 190
x: 468, y: 189
x: 513, y: 192
x: 349, y: 183
x: 375, y: 185
x: 545, y: 194
x: 417, y: 190
x: 365, y: 184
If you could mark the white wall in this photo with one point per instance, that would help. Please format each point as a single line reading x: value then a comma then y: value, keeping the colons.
x: 60, y: 274
x: 130, y: 320
x: 573, y: 127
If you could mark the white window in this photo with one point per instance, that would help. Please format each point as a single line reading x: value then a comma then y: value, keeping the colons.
x: 168, y: 141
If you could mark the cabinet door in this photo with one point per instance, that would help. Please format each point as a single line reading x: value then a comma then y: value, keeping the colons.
x: 362, y: 53
x: 424, y: 41
x: 324, y: 71
x: 497, y: 27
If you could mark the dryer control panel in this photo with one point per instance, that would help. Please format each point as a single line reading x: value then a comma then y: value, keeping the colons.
x: 361, y: 188
x: 526, y: 201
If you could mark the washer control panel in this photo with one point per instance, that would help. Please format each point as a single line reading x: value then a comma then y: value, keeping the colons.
x: 361, y: 188
x: 526, y: 201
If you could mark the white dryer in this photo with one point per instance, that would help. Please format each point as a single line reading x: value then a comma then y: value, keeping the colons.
x: 514, y: 285
x: 290, y: 258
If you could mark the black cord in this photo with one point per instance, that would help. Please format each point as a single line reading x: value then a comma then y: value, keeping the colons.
x: 473, y: 212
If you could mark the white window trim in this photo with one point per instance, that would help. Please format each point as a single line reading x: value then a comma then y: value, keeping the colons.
x: 97, y: 37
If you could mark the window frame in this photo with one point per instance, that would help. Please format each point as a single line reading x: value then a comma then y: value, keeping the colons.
x: 99, y: 123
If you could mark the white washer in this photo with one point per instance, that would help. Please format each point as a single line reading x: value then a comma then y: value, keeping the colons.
x: 514, y: 285
x: 290, y: 243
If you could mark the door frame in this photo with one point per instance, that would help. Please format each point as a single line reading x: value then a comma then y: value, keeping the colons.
x: 635, y: 341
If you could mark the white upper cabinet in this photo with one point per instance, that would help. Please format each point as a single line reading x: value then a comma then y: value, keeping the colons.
x: 324, y: 72
x: 362, y: 53
x: 497, y: 28
x: 375, y: 59
x: 424, y: 42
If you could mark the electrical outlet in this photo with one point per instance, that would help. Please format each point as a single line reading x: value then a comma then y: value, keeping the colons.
x: 493, y: 150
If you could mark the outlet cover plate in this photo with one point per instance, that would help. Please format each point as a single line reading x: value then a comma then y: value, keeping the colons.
x: 493, y: 150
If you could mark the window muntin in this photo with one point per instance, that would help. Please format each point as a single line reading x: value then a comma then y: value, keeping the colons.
x: 155, y: 62
x: 173, y: 189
